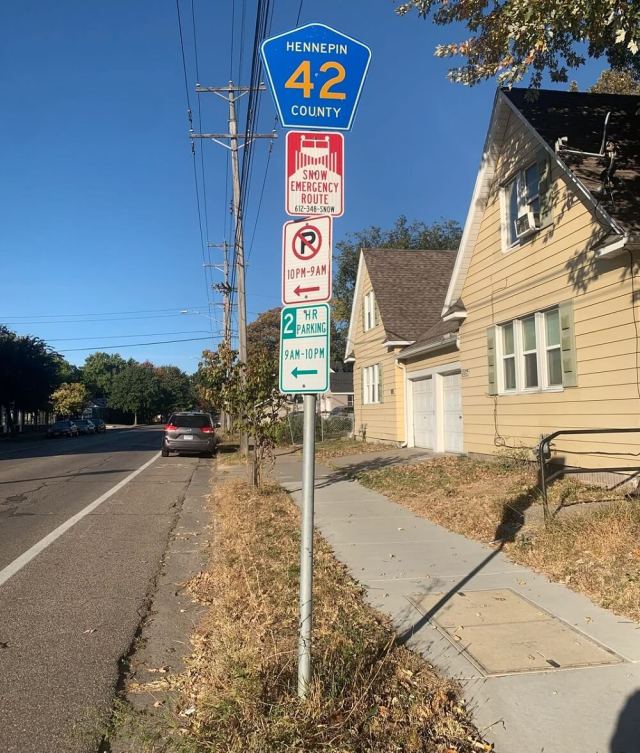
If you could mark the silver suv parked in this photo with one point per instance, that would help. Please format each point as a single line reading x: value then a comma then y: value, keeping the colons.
x: 190, y: 432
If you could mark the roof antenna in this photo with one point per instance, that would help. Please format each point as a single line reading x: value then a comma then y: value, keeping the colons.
x: 562, y: 143
x: 608, y: 149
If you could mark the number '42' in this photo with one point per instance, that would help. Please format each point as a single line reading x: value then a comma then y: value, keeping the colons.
x: 301, y: 79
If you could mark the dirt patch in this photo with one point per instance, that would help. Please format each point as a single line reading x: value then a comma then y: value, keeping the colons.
x: 591, y: 545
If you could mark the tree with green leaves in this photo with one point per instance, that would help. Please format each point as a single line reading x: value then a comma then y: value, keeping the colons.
x: 69, y: 399
x: 175, y: 389
x: 136, y: 389
x: 617, y: 82
x: 247, y: 392
x: 29, y: 372
x: 443, y: 234
x: 99, y: 371
x: 264, y: 332
x: 510, y: 39
x: 67, y: 372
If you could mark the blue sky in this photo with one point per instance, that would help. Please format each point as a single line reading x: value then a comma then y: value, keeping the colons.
x: 99, y: 235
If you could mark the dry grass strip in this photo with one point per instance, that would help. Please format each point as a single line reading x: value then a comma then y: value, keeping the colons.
x: 592, y: 548
x: 368, y: 694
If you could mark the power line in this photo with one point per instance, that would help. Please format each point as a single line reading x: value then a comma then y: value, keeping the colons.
x: 139, y: 334
x: 264, y: 183
x: 193, y: 154
x: 208, y: 281
x: 135, y: 345
x: 260, y: 32
x: 85, y: 321
x: 97, y: 313
x: 299, y: 12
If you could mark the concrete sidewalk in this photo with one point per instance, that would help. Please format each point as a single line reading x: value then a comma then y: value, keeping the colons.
x: 543, y: 668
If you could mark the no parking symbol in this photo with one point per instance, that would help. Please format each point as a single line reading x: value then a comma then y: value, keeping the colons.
x: 306, y: 261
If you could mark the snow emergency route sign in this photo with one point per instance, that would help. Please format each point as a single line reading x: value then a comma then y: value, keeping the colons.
x: 316, y: 75
x: 315, y: 173
x: 306, y: 260
x: 304, y: 349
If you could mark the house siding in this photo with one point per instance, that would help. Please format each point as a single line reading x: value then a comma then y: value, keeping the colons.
x: 430, y: 361
x: 379, y: 422
x: 556, y: 265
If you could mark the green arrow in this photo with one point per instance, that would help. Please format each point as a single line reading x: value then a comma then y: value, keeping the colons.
x: 301, y: 372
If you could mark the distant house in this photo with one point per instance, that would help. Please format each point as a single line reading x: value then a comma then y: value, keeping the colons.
x: 398, y: 294
x: 96, y: 408
x: 539, y: 327
x: 340, y: 393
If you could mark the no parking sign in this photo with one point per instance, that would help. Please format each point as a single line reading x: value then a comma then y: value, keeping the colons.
x: 306, y: 261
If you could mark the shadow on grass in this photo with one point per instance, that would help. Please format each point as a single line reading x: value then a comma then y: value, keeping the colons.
x: 511, y: 523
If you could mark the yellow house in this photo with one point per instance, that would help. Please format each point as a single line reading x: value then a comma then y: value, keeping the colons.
x: 398, y: 293
x: 540, y: 323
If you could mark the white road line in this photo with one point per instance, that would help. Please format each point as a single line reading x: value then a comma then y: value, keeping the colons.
x: 24, y: 559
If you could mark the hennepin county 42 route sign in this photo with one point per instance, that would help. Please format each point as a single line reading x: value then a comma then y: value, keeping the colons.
x: 316, y: 75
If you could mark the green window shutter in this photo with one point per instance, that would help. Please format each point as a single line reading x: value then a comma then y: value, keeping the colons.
x: 380, y: 384
x: 545, y: 189
x: 491, y: 359
x: 568, y: 343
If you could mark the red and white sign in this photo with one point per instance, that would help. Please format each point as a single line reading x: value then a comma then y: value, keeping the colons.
x: 315, y: 174
x: 306, y: 260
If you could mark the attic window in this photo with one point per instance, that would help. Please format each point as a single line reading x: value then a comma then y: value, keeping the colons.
x: 522, y: 203
x: 369, y: 318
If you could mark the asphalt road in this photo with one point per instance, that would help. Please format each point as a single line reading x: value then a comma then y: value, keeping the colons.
x: 70, y: 614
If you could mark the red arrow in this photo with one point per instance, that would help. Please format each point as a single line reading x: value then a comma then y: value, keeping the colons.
x: 300, y: 290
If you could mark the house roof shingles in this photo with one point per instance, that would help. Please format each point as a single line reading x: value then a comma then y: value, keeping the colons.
x: 410, y: 287
x: 581, y: 118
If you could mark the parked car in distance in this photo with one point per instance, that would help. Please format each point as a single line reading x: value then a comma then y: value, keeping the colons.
x: 100, y: 425
x: 62, y: 429
x: 190, y: 432
x: 85, y: 426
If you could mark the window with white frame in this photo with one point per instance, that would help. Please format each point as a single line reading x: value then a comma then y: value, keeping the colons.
x: 530, y: 353
x: 371, y: 384
x: 522, y: 204
x: 369, y: 311
x: 350, y: 401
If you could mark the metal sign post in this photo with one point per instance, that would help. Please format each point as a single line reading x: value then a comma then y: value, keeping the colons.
x: 316, y: 75
x: 306, y: 545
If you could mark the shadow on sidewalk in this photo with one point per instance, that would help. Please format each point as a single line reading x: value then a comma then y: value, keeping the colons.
x: 626, y: 738
x: 511, y: 523
x: 353, y: 470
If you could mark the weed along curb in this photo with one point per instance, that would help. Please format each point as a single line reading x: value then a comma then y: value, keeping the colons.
x: 241, y: 685
x: 310, y: 69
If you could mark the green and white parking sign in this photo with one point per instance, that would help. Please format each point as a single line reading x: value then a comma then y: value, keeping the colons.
x: 304, y: 349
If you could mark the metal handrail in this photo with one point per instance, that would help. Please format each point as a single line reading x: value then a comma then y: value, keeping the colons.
x: 544, y: 458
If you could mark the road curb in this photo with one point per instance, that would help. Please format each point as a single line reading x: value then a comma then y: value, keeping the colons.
x: 162, y: 641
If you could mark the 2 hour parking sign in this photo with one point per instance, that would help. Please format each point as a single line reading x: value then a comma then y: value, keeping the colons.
x: 316, y: 75
x: 304, y: 349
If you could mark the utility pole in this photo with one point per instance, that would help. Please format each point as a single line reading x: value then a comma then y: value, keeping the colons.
x: 224, y: 288
x: 231, y: 94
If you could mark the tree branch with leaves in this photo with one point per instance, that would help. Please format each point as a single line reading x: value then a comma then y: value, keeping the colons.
x: 248, y: 393
x: 511, y: 38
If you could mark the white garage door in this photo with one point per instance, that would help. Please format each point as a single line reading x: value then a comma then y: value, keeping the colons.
x: 452, y: 413
x: 423, y: 413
